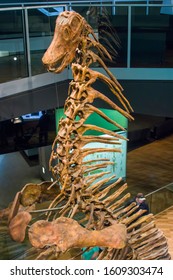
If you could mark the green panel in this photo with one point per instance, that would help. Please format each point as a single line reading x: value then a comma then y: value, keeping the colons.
x: 118, y: 168
x: 59, y: 113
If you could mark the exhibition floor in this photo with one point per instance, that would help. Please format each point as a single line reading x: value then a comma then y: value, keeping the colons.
x: 150, y: 167
x: 164, y: 222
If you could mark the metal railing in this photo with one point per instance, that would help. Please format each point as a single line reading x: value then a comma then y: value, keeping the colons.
x: 144, y: 30
x: 160, y: 199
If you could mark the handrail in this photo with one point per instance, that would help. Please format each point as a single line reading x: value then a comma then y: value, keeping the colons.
x: 171, y: 184
x: 83, y: 3
x: 78, y: 2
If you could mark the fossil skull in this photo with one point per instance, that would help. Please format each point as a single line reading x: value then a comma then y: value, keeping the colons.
x: 68, y: 32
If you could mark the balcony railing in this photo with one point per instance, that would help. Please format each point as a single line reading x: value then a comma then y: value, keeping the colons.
x: 145, y: 32
x: 160, y: 199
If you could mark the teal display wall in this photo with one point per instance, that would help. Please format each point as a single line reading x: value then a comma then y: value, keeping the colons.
x: 119, y: 159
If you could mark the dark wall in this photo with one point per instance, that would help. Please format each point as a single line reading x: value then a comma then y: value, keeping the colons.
x: 150, y: 97
x: 146, y: 97
x: 43, y: 98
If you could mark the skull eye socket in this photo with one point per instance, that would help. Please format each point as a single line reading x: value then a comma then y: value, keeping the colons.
x: 75, y: 23
x: 66, y: 34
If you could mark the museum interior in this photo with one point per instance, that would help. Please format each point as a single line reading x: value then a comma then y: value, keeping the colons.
x: 140, y: 41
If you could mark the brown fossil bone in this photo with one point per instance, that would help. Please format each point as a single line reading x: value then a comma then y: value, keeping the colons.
x: 37, y: 193
x: 84, y: 74
x: 18, y: 225
x: 66, y: 40
x: 66, y: 233
x: 81, y: 193
x: 14, y: 207
x: 107, y: 34
x: 29, y: 196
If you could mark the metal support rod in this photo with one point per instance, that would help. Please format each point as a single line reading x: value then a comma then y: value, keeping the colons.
x: 129, y: 30
x: 113, y: 8
x: 28, y: 52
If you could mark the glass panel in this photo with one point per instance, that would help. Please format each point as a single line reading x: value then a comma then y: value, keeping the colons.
x: 41, y: 29
x: 120, y: 23
x: 27, y: 132
x: 160, y: 200
x: 12, y: 52
x: 152, y: 38
x: 110, y: 26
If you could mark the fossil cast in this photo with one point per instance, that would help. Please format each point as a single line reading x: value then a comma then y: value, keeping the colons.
x: 85, y: 210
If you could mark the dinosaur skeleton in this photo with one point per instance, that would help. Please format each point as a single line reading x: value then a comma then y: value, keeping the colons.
x: 87, y: 210
x: 107, y: 34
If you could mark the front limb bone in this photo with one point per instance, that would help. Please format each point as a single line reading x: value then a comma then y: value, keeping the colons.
x: 66, y: 233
